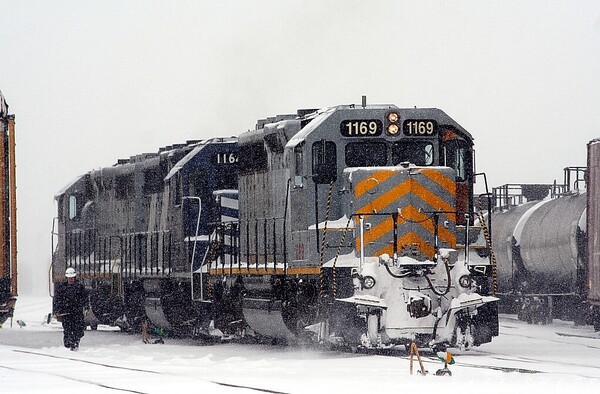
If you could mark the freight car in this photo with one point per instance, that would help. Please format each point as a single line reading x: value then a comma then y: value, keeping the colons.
x: 353, y: 226
x: 356, y: 228
x: 543, y: 237
x: 593, y: 231
x: 137, y: 233
x: 8, y: 213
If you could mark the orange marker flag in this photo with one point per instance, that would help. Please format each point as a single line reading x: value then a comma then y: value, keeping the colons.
x: 446, y: 357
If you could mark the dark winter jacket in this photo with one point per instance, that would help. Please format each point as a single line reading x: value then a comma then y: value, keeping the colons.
x: 70, y: 299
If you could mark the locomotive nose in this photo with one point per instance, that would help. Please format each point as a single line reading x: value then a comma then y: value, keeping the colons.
x: 404, y: 208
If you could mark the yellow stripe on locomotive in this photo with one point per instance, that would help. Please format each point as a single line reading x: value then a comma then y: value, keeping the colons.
x: 412, y: 194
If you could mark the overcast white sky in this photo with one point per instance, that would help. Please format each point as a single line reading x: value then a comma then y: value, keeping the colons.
x: 94, y: 81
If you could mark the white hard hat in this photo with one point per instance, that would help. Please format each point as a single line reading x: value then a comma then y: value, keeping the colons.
x: 70, y: 273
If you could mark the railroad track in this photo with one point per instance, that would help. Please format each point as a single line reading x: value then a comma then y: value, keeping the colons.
x: 112, y: 366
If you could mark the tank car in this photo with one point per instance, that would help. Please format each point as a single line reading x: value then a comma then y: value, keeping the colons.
x: 540, y: 249
x: 138, y: 232
x: 357, y: 227
x: 8, y: 213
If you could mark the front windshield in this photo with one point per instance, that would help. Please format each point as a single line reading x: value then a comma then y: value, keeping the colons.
x: 419, y: 153
x: 366, y: 154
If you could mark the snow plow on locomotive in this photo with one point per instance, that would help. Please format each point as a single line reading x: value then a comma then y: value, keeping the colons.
x: 351, y: 226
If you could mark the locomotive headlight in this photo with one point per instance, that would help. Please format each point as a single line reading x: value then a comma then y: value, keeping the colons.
x: 393, y: 129
x: 368, y: 282
x: 393, y: 117
x: 465, y: 281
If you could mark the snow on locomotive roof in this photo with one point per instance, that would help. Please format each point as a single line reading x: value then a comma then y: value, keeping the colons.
x: 67, y: 186
x: 269, y: 125
x: 320, y: 117
x: 181, y: 163
x: 257, y: 136
x: 262, y: 122
x: 323, y: 114
x: 168, y: 150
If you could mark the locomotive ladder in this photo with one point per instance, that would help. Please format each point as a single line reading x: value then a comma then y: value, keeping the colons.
x: 488, y: 241
x: 322, y: 249
x: 483, y: 227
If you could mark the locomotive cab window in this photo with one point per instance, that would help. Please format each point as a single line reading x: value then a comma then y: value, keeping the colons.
x: 419, y: 153
x: 457, y: 155
x: 366, y: 154
x: 72, y: 207
x: 324, y: 162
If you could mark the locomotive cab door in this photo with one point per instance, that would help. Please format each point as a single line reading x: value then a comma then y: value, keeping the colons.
x: 324, y: 162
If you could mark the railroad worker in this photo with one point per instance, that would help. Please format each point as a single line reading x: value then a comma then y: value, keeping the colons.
x: 70, y: 299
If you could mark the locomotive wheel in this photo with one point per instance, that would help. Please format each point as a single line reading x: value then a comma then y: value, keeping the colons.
x: 106, y: 306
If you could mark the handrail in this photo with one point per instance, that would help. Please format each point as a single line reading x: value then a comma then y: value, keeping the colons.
x: 194, y: 250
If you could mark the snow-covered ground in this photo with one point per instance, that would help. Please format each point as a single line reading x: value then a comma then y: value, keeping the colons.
x: 558, y: 358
